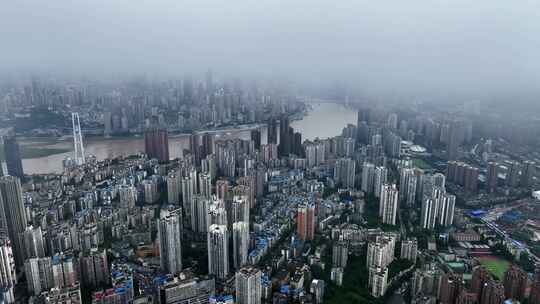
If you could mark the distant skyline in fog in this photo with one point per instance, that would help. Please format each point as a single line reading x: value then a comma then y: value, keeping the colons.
x: 476, y: 48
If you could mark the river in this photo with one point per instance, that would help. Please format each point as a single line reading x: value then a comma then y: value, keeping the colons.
x: 323, y: 120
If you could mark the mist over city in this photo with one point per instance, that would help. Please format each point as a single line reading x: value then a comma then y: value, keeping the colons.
x: 250, y: 152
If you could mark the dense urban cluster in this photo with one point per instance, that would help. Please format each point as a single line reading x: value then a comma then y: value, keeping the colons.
x: 405, y: 206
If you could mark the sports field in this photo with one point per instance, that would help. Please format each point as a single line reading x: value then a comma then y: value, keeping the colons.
x: 495, y: 265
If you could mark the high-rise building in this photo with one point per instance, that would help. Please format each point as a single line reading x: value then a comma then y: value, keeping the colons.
x: 428, y: 215
x: 364, y: 115
x: 439, y: 181
x: 240, y: 243
x: 419, y: 173
x: 492, y: 176
x: 216, y: 213
x: 170, y: 242
x: 272, y: 131
x: 534, y: 297
x: 407, y: 186
x: 39, y: 274
x: 64, y: 271
x: 527, y: 174
x: 128, y: 196
x: 492, y: 293
x: 446, y: 206
x: 377, y: 281
x: 388, y: 204
x: 306, y: 222
x: 454, y: 140
x: 368, y: 178
x: 156, y: 144
x: 248, y: 285
x: 218, y: 251
x: 340, y: 254
x: 465, y: 297
x: 222, y: 189
x: 381, y: 177
x: 285, y: 139
x: 256, y: 138
x: 409, y: 249
x: 451, y: 286
x: 471, y: 179
x: 344, y: 172
x: 13, y: 156
x: 240, y: 209
x: 380, y: 253
x: 13, y: 215
x: 480, y: 277
x: 199, y: 213
x: 33, y: 242
x: 94, y: 268
x: 205, y: 185
x: 151, y: 191
x: 174, y: 187
x: 317, y: 288
x: 315, y: 153
x: 515, y: 283
x: 513, y: 174
x: 8, y: 278
x: 189, y: 189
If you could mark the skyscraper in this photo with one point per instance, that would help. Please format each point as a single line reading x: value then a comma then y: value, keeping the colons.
x: 156, y: 144
x: 13, y: 214
x: 218, y: 251
x: 388, y: 204
x: 248, y: 285
x: 170, y: 242
x: 306, y: 222
x: 240, y: 243
x: 13, y: 156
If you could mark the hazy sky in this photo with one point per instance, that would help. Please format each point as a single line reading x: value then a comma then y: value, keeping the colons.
x: 431, y: 45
